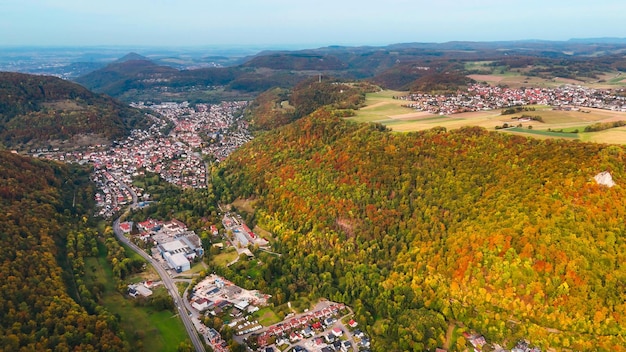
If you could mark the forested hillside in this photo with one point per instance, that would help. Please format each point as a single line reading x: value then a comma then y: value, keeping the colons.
x: 278, y: 107
x: 43, y: 110
x: 506, y: 235
x: 41, y: 208
x: 143, y: 79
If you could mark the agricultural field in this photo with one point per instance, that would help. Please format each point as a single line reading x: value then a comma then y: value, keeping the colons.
x: 382, y: 108
x: 516, y: 80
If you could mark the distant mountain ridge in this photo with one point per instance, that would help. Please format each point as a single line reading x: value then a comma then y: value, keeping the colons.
x: 42, y: 111
x: 602, y: 40
x: 391, y: 66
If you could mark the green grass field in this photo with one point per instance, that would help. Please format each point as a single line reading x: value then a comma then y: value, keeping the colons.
x: 196, y: 269
x: 132, y: 254
x: 144, y: 326
x: 612, y: 136
x: 266, y: 316
x: 223, y: 259
x: 543, y: 133
x: 381, y: 105
x: 382, y: 108
x: 483, y: 66
x: 253, y: 270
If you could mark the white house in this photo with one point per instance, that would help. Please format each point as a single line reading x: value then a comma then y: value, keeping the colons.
x: 201, y: 304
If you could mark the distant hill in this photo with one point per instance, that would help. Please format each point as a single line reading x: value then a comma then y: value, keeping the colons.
x: 132, y: 57
x: 42, y: 110
x: 297, y: 61
x: 604, y: 40
x: 441, y: 83
x: 122, y: 79
x: 123, y: 75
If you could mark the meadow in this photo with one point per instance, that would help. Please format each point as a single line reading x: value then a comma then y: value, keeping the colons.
x: 266, y: 316
x: 227, y: 256
x: 382, y: 108
x: 144, y: 326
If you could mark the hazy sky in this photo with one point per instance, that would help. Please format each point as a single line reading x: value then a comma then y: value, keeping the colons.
x: 302, y: 22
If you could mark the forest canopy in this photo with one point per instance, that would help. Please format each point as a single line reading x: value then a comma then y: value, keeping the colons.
x: 502, y: 234
x: 36, y: 110
x: 36, y: 218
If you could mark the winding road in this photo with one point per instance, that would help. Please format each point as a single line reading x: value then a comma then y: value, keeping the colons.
x: 167, y: 281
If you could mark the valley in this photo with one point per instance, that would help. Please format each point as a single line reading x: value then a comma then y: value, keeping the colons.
x: 443, y: 200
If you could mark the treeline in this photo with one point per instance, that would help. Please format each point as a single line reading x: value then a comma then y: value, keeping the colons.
x: 436, y: 75
x: 270, y: 110
x: 309, y: 95
x: 601, y: 126
x: 506, y: 235
x: 516, y: 109
x: 551, y: 66
x: 441, y: 83
x: 297, y: 61
x: 41, y: 234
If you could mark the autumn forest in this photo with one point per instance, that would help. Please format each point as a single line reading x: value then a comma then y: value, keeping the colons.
x: 43, y: 306
x: 423, y: 234
x: 503, y: 234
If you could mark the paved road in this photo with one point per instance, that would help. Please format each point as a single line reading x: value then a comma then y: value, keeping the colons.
x: 168, y: 282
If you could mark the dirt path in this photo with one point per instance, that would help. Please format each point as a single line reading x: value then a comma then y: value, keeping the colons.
x: 451, y: 326
x: 375, y: 105
x: 412, y: 115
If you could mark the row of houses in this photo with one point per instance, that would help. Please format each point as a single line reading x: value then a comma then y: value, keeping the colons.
x: 484, y: 97
x: 286, y: 327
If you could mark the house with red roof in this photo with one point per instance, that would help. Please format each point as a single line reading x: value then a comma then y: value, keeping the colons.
x: 126, y: 227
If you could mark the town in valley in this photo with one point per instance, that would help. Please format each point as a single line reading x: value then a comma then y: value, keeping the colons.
x: 181, y: 144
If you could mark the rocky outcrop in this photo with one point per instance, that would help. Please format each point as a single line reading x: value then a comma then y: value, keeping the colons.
x: 605, y: 179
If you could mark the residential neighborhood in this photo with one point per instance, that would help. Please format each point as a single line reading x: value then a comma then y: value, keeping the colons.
x: 318, y: 329
x: 484, y: 97
x: 198, y: 135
